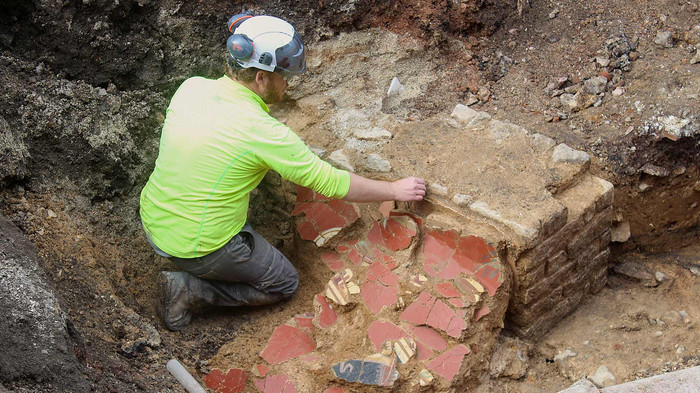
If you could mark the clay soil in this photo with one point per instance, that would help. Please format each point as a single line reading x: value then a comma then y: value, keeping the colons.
x: 95, y: 255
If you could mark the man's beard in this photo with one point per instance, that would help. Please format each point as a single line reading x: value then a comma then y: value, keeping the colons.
x: 271, y: 96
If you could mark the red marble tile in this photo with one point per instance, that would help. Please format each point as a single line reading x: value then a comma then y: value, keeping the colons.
x: 490, y: 277
x: 326, y: 315
x: 342, y: 248
x: 344, y: 209
x: 286, y: 343
x: 233, y: 381
x: 385, y: 208
x: 475, y: 249
x: 397, y: 236
x: 481, y: 312
x: 429, y: 337
x: 333, y: 261
x: 448, y: 364
x: 377, y: 296
x: 324, y: 218
x: 417, y: 312
x: 304, y: 194
x: 307, y: 231
x: 305, y: 321
x: 382, y: 331
x: 457, y: 302
x: 334, y: 390
x: 415, y: 218
x: 444, y: 318
x: 275, y: 384
x: 375, y: 234
x: 355, y: 257
x: 447, y: 289
x: 423, y: 352
x: 381, y: 273
x: 301, y: 207
x: 261, y: 370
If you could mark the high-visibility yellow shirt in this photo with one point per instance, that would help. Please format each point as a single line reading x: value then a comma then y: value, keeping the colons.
x: 217, y: 144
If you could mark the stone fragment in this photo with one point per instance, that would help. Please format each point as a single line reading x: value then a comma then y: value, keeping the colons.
x: 337, y: 290
x: 664, y: 39
x: 372, y: 134
x: 233, y: 381
x: 469, y: 116
x: 405, y: 348
x: 385, y: 208
x: 567, y: 353
x: 696, y: 58
x: 654, y: 170
x: 286, y: 343
x: 380, y: 288
x: 602, y: 61
x: 582, y: 386
x: 510, y: 359
x: 462, y: 199
x: 276, y: 384
x: 620, y: 232
x: 448, y: 364
x: 424, y: 377
x: 260, y: 370
x: 618, y: 91
x: 377, y: 163
x: 437, y: 189
x: 602, y: 377
x: 375, y: 370
x: 353, y: 288
x: 595, y: 85
x: 542, y: 142
x: 564, y: 154
x: 636, y: 271
x: 341, y: 160
x: 387, y: 348
x: 395, y: 87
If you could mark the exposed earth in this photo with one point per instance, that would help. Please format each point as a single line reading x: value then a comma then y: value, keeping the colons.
x: 84, y: 88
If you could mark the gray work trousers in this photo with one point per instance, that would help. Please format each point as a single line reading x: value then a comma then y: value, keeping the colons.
x: 246, y: 271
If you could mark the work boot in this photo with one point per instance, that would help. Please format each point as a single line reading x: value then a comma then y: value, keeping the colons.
x: 175, y: 305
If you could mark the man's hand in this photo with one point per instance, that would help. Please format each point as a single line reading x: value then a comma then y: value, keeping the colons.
x: 409, y: 189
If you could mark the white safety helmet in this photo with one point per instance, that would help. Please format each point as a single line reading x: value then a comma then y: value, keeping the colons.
x: 266, y: 43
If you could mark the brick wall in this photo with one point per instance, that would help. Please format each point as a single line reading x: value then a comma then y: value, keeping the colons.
x: 570, y: 261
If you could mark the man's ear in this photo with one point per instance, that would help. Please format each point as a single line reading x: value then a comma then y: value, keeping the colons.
x: 260, y: 77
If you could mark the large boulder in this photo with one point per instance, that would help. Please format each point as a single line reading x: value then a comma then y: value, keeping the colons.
x: 37, y: 349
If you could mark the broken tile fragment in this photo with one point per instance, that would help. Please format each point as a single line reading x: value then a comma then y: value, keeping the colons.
x: 375, y: 370
x: 333, y: 261
x: 347, y: 275
x: 286, y: 343
x: 418, y: 311
x: 337, y: 290
x: 448, y: 364
x: 418, y: 280
x: 404, y: 348
x: 447, y: 289
x: 481, y: 312
x: 386, y: 207
x: 276, y: 384
x: 444, y: 318
x: 387, y: 348
x: 380, y: 288
x: 323, y: 217
x: 382, y: 331
x: 233, y: 381
x: 395, y: 232
x: 326, y: 316
x: 305, y: 321
x: 260, y: 370
x: 353, y: 288
x: 429, y: 337
x: 425, y: 377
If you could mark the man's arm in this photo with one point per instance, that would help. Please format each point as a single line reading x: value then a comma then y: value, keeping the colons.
x: 363, y: 189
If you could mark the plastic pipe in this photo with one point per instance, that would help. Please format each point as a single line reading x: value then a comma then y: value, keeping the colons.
x: 184, y: 377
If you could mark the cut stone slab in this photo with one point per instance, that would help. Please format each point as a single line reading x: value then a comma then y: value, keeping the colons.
x: 232, y: 381
x: 582, y: 386
x: 682, y: 381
